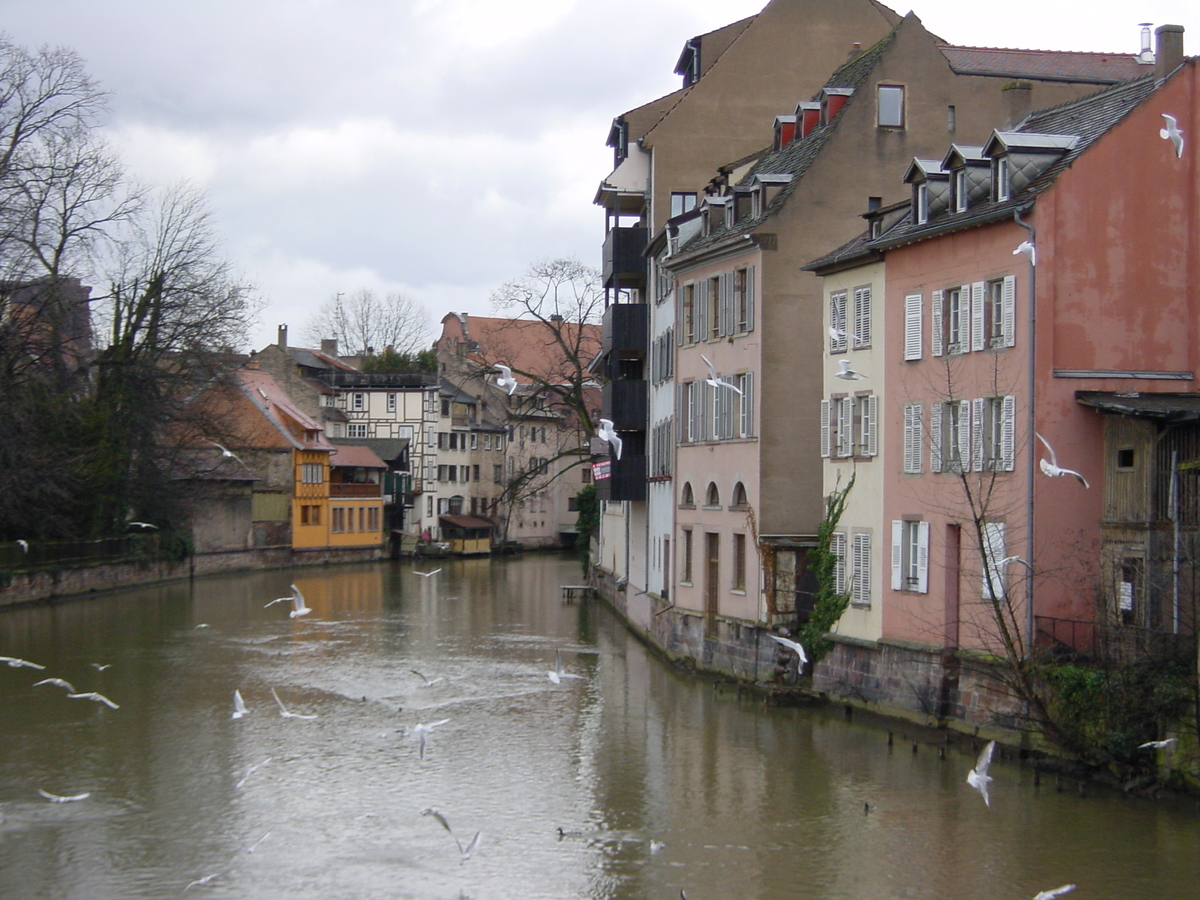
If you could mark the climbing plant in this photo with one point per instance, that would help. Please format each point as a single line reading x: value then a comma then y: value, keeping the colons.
x: 828, y: 603
x: 587, y: 521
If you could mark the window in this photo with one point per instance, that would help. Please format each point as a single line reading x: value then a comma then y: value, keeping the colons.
x: 474, y: 442
x: 1000, y: 177
x: 1129, y: 590
x: 838, y: 336
x: 475, y: 473
x: 743, y: 300
x: 686, y: 497
x: 358, y: 402
x: 687, y: 333
x: 310, y: 515
x: 587, y: 474
x: 913, y: 311
x: 993, y: 550
x: 838, y: 417
x: 686, y: 574
x: 373, y: 518
x: 572, y: 504
x: 746, y: 405
x: 837, y: 546
x: 338, y: 523
x: 997, y: 321
x: 446, y: 408
x: 337, y: 429
x: 739, y: 497
x: 1125, y: 458
x: 499, y: 442
x: 862, y: 316
x: 498, y: 474
x: 739, y: 562
x: 860, y: 586
x: 910, y: 556
x: 714, y: 310
x: 391, y: 403
x: 955, y: 320
x: 712, y: 497
x: 961, y: 189
x: 891, y: 106
x: 950, y: 436
x: 682, y: 202
x: 443, y: 440
x: 952, y: 320
x: 995, y: 422
x: 487, y: 442
x: 921, y: 201
x: 429, y: 505
x: 312, y: 473
x: 913, y: 436
x: 356, y: 430
x: 867, y: 424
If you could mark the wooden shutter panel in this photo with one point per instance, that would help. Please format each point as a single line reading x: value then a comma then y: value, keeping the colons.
x: 749, y: 298
x: 1008, y: 433
x: 862, y: 569
x: 1009, y: 304
x: 837, y: 546
x: 700, y: 309
x: 993, y: 548
x: 870, y: 425
x: 923, y: 557
x: 723, y: 305
x: 912, y: 326
x: 837, y: 321
x: 964, y: 435
x: 825, y: 436
x: 964, y: 318
x: 846, y: 427
x: 681, y: 334
x: 978, y: 338
x: 748, y: 404
x: 862, y: 316
x: 936, y: 338
x: 897, y: 555
x: 977, y: 434
x: 935, y: 436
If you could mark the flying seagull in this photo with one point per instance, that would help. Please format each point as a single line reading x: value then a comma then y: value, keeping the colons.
x: 239, y: 705
x: 715, y: 380
x: 58, y: 681
x: 142, y: 525
x: 978, y: 777
x: 1051, y: 467
x: 429, y: 682
x: 299, y: 607
x: 1055, y: 892
x: 505, y: 378
x: 793, y: 646
x: 24, y: 545
x: 1012, y: 559
x: 250, y: 771
x: 837, y: 335
x: 99, y: 698
x: 463, y: 852
x: 426, y: 574
x: 557, y: 674
x: 201, y: 882
x: 608, y: 433
x: 422, y: 732
x: 100, y: 667
x: 226, y: 452
x: 1157, y: 745
x: 847, y: 373
x: 1173, y: 134
x: 283, y: 710
x: 58, y: 798
x: 1027, y: 248
x: 15, y: 663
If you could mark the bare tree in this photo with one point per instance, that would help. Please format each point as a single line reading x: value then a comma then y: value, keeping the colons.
x: 363, y: 322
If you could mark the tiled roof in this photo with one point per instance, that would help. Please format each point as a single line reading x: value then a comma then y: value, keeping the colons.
x: 315, y: 359
x: 356, y: 455
x: 279, y: 409
x: 1044, y: 65
x: 527, y: 345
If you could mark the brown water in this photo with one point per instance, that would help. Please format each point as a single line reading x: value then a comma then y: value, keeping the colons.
x: 747, y: 802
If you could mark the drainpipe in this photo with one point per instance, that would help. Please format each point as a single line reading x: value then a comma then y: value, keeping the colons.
x: 1031, y: 450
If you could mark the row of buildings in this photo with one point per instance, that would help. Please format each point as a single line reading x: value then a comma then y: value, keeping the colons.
x: 927, y: 271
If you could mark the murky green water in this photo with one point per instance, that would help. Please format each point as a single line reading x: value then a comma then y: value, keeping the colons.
x: 659, y: 782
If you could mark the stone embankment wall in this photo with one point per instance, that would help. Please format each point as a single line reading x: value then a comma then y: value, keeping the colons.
x: 60, y: 583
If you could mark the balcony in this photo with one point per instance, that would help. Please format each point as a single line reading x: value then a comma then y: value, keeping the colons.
x: 337, y: 489
x: 626, y: 481
x: 626, y: 403
x: 623, y: 264
x: 626, y: 330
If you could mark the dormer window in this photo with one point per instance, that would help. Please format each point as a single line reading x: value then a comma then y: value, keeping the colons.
x: 961, y: 190
x: 921, y: 201
x: 1000, y: 177
x: 682, y: 202
x: 890, y: 105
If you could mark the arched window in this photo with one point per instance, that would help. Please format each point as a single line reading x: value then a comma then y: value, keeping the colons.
x: 687, y: 498
x: 739, y: 496
x: 713, y: 496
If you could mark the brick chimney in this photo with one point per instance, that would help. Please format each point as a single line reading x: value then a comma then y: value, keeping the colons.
x: 1018, y: 97
x: 281, y: 341
x: 329, y: 347
x: 1168, y: 51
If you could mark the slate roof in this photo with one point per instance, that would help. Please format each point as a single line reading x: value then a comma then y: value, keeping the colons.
x: 1045, y: 65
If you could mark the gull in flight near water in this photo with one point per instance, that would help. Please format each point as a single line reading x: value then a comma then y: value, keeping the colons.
x: 608, y: 433
x: 505, y: 378
x: 58, y: 798
x: 1051, y: 467
x: 58, y: 681
x: 100, y: 668
x: 846, y: 373
x: 463, y: 852
x: 239, y: 705
x: 427, y: 574
x: 714, y: 379
x: 24, y: 545
x: 1055, y: 892
x: 978, y: 777
x: 557, y: 674
x: 1027, y: 248
x: 15, y: 663
x: 283, y: 710
x: 422, y: 732
x: 299, y: 607
x: 429, y: 682
x: 99, y: 698
x: 250, y: 771
x: 793, y: 646
x: 142, y: 525
x: 226, y: 452
x: 1157, y: 745
x: 1172, y: 133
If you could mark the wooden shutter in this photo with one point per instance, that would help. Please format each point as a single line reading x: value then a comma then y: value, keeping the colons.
x: 862, y: 569
x: 964, y: 318
x: 936, y: 338
x: 977, y: 434
x: 978, y: 337
x: 700, y: 310
x: 912, y: 326
x: 747, y: 407
x: 749, y: 298
x: 862, y: 316
x: 993, y: 549
x: 826, y: 441
x: 1009, y: 303
x: 870, y: 425
x: 936, y: 411
x: 837, y: 546
x: 912, y: 437
x: 897, y: 555
x: 723, y: 305
x: 837, y: 321
x: 1008, y: 433
x: 923, y: 557
x: 846, y: 427
x: 964, y: 435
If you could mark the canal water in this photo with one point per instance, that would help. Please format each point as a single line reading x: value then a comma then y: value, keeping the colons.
x: 657, y: 781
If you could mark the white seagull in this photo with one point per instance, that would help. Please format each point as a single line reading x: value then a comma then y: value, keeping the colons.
x: 1051, y: 467
x: 99, y: 698
x: 58, y: 798
x: 284, y: 712
x: 463, y: 852
x: 837, y: 336
x: 1055, y: 892
x: 299, y: 607
x: 557, y: 674
x: 422, y: 732
x: 846, y: 373
x: 239, y: 705
x: 1012, y: 559
x: 793, y: 646
x: 1157, y: 745
x: 62, y: 684
x: 426, y: 574
x: 505, y: 378
x: 429, y: 682
x: 978, y: 777
x: 250, y: 771
x: 100, y: 667
x: 24, y: 545
x: 1027, y: 248
x: 226, y: 452
x: 715, y: 380
x: 1172, y: 133
x: 15, y: 663
x: 608, y: 433
x: 142, y: 525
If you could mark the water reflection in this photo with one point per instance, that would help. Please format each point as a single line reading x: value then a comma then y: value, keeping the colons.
x: 659, y: 782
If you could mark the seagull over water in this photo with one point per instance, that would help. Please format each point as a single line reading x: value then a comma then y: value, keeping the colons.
x: 978, y: 777
x: 58, y: 681
x: 426, y: 574
x: 463, y: 852
x: 793, y: 646
x: 505, y: 379
x: 100, y: 668
x: 422, y: 732
x: 99, y: 698
x: 1051, y: 467
x: 608, y: 433
x: 15, y: 663
x: 429, y: 682
x: 58, y: 798
x: 284, y: 712
x: 1157, y: 745
x: 557, y: 674
x: 846, y: 373
x: 714, y: 379
x: 1055, y: 892
x: 1172, y: 133
x: 299, y: 607
x: 226, y: 452
x: 239, y: 705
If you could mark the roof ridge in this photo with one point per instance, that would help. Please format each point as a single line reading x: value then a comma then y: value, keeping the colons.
x: 949, y: 46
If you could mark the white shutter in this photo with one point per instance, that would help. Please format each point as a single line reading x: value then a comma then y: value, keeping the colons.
x: 837, y: 546
x: 993, y: 548
x: 897, y: 555
x: 723, y: 305
x: 936, y: 338
x: 862, y: 316
x: 1008, y: 433
x: 825, y: 436
x: 749, y: 298
x: 935, y: 436
x: 964, y: 318
x: 837, y: 321
x: 747, y: 404
x: 923, y: 557
x: 845, y: 437
x: 978, y: 337
x: 1009, y: 303
x: 870, y: 425
x: 964, y: 435
x: 912, y: 326
x: 977, y: 434
x: 704, y: 404
x: 912, y: 437
x: 700, y: 310
x: 862, y: 569
x: 682, y: 332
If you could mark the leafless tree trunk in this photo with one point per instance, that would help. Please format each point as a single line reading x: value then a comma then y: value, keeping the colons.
x: 363, y: 321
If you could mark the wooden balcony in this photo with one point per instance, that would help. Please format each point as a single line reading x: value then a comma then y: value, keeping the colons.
x: 355, y: 490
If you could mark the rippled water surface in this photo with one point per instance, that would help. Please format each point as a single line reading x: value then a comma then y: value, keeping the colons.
x: 658, y: 781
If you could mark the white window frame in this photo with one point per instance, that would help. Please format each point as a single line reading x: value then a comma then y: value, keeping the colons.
x: 910, y: 556
x: 961, y: 189
x: 391, y: 403
x: 867, y: 409
x: 356, y: 430
x: 1000, y: 179
x: 358, y: 402
x: 746, y: 405
x: 889, y: 106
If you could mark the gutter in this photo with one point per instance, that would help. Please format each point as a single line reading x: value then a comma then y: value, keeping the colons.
x: 1031, y: 450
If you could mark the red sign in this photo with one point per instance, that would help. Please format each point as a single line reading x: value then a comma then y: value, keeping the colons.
x: 600, y: 470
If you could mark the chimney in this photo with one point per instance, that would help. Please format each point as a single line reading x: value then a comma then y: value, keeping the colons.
x: 1168, y: 54
x: 282, y: 339
x: 855, y: 50
x: 1018, y: 96
x: 329, y: 347
x: 1145, y: 55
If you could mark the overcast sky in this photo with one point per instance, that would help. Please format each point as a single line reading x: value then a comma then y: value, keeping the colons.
x: 435, y: 147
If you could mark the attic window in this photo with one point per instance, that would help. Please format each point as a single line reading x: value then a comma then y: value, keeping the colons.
x: 681, y: 203
x: 1000, y: 176
x: 961, y: 190
x: 891, y: 106
x: 921, y: 201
